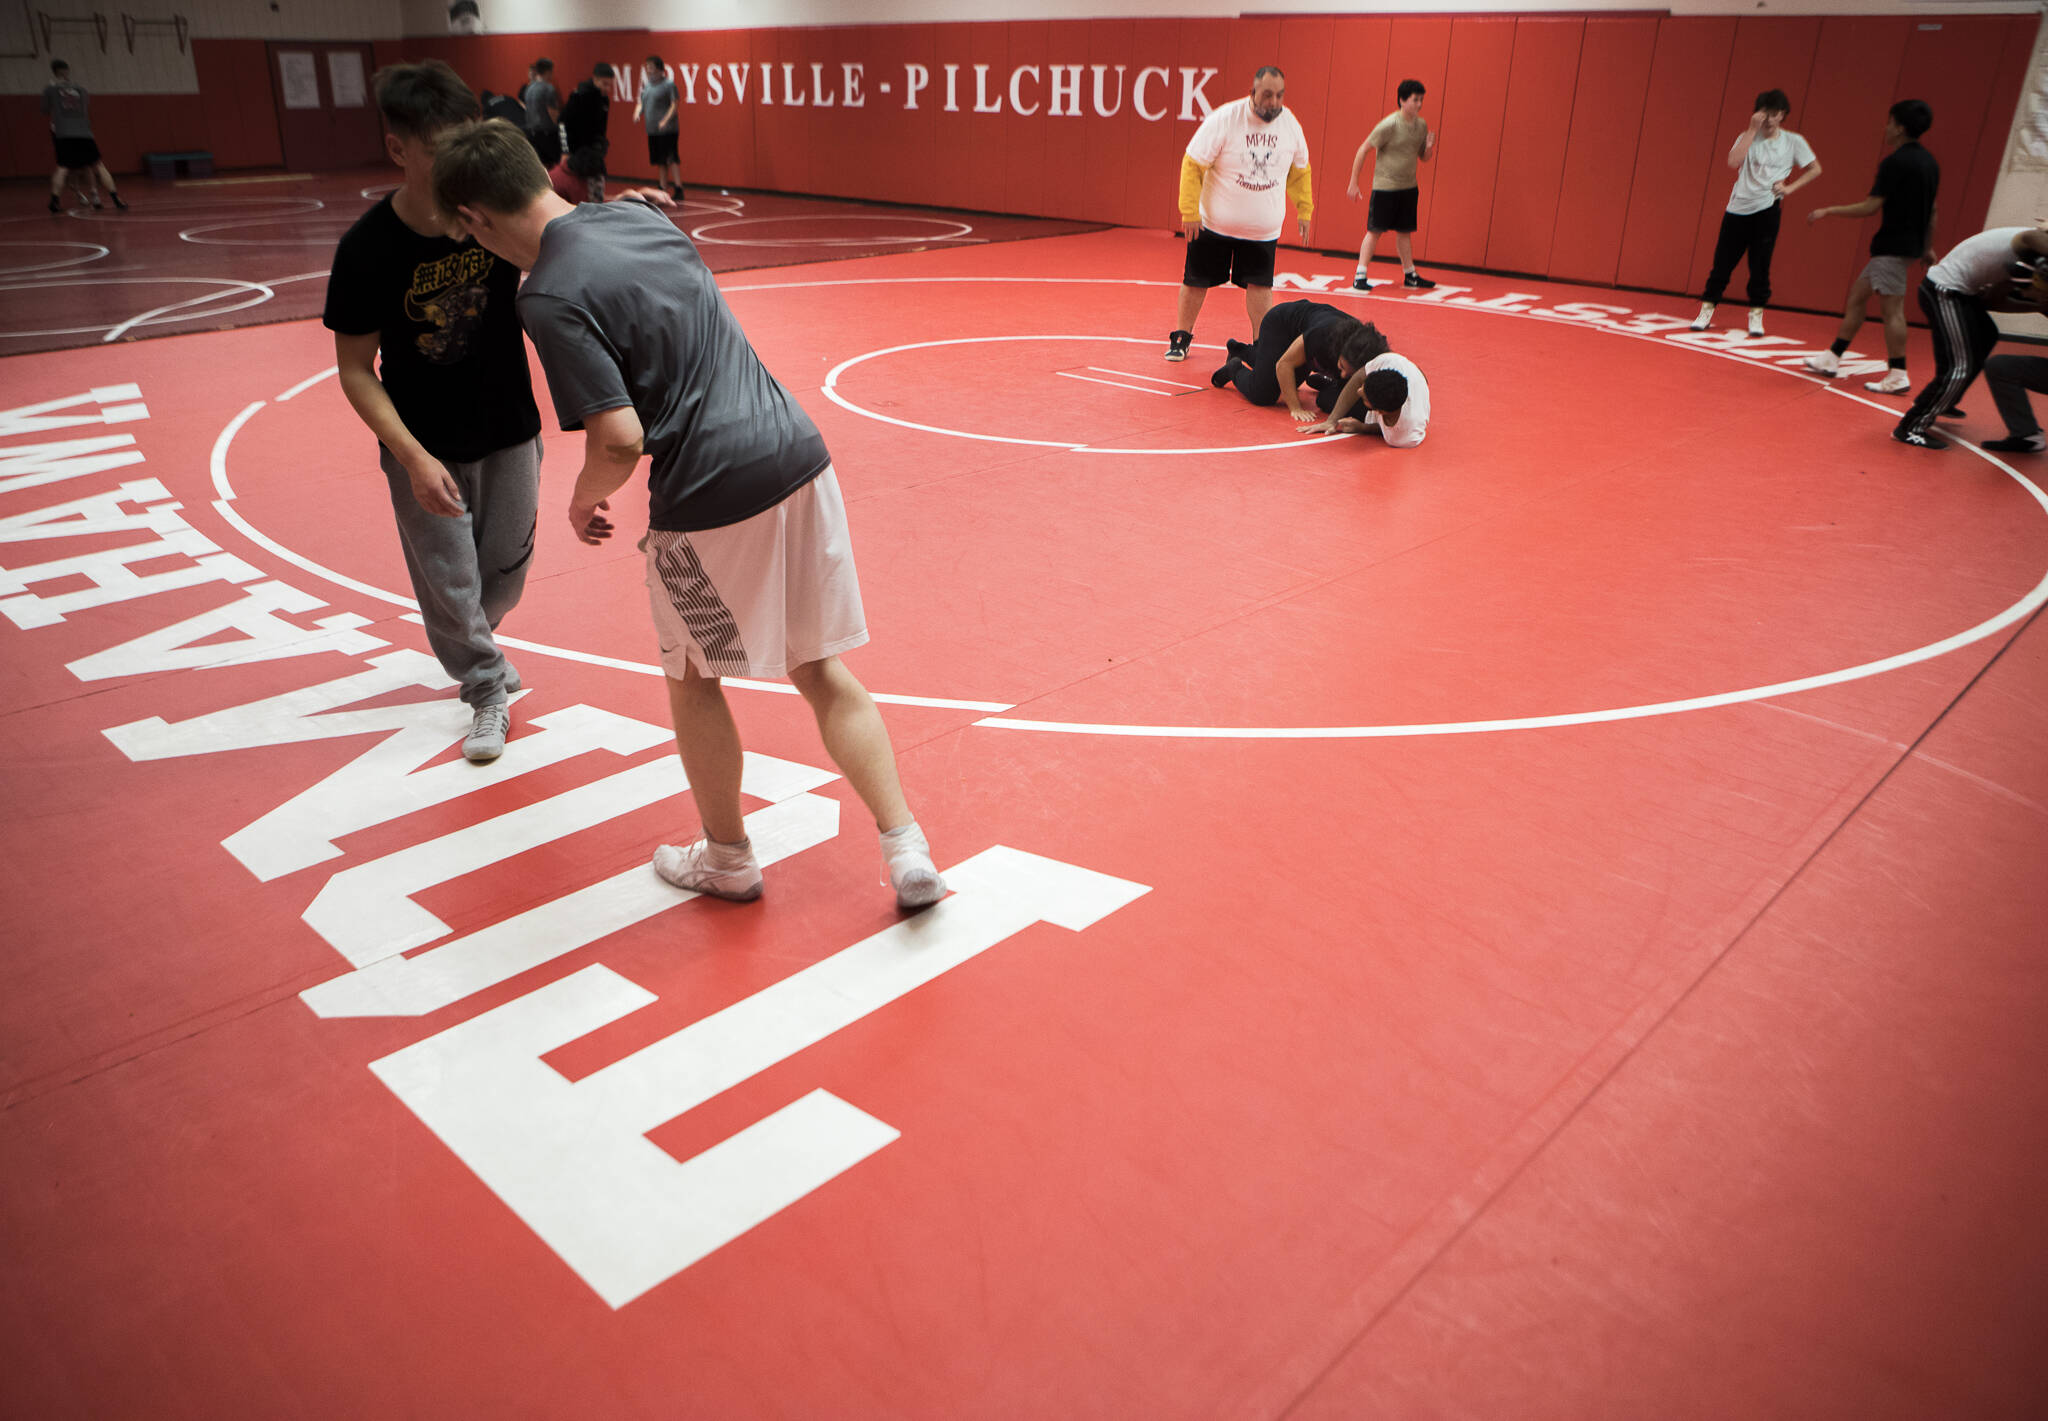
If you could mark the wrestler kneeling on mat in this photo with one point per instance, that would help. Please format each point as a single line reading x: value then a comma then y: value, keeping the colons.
x: 1299, y: 342
x: 1395, y: 400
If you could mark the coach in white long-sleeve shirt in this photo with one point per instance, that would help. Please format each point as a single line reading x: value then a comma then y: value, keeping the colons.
x: 1246, y: 162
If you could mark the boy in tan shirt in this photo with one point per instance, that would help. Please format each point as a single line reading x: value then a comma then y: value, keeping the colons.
x: 1399, y: 142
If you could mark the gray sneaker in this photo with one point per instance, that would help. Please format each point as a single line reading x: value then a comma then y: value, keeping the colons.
x: 487, y: 731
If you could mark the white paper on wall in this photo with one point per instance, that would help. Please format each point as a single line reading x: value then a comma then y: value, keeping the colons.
x: 345, y: 78
x: 300, y: 80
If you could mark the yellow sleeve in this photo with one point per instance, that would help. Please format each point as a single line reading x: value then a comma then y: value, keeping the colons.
x: 1191, y: 175
x: 1298, y: 192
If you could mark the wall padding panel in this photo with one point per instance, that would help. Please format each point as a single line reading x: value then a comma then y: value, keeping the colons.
x: 1588, y: 148
x: 1535, y: 130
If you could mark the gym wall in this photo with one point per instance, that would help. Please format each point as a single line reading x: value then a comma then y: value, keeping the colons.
x: 1581, y: 147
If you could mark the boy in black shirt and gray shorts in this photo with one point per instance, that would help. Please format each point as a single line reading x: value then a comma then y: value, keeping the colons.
x: 452, y: 406
x: 749, y: 565
x: 1904, y: 189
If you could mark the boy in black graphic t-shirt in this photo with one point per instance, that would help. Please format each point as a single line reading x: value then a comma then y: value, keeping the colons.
x: 452, y: 405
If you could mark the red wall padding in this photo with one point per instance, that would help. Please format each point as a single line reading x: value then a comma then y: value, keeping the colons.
x: 1535, y: 130
x: 1681, y: 126
x: 1587, y: 149
x: 1600, y: 156
x: 1474, y: 99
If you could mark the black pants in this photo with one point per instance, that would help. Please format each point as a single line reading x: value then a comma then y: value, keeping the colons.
x: 1754, y: 234
x: 2010, y: 377
x: 547, y: 143
x: 1963, y: 334
x: 1258, y: 376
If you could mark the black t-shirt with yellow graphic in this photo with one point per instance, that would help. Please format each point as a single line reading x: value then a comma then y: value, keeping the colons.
x: 450, y: 348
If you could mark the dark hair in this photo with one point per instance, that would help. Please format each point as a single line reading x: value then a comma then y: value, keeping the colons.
x: 1363, y: 345
x: 543, y: 66
x: 655, y: 61
x: 1773, y: 101
x: 489, y: 164
x: 1265, y: 69
x: 1913, y: 115
x: 58, y: 66
x: 418, y: 100
x: 602, y: 70
x: 1385, y: 390
x: 1408, y: 86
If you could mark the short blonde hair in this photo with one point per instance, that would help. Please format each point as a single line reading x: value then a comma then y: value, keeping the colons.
x: 489, y: 164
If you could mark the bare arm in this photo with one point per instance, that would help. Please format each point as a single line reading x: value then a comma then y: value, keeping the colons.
x: 1288, y: 368
x: 1358, y: 166
x: 1744, y: 140
x: 636, y: 110
x: 1859, y: 210
x: 355, y: 359
x: 668, y: 118
x: 1353, y: 391
x: 612, y: 444
x: 1785, y: 187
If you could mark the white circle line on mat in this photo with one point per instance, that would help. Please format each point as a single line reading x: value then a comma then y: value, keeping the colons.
x: 2020, y: 609
x: 93, y: 252
x: 697, y: 233
x: 230, y: 286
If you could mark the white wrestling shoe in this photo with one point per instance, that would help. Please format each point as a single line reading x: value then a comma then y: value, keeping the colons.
x: 907, y: 859
x: 1824, y: 362
x: 716, y: 870
x: 1893, y: 383
x: 1756, y: 320
x: 1705, y: 318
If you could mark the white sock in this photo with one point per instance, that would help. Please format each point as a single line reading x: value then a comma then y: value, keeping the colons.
x: 726, y: 858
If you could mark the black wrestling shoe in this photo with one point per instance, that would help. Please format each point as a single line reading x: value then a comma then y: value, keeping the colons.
x: 1952, y: 412
x: 1416, y: 281
x: 55, y: 206
x: 1920, y: 441
x: 1178, y: 343
x: 1239, y: 350
x: 1361, y: 282
x: 1227, y: 373
x: 117, y: 201
x: 2017, y: 444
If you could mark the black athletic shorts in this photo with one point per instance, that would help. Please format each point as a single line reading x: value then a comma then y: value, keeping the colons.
x: 76, y: 152
x: 661, y: 147
x: 1392, y: 211
x: 1214, y: 259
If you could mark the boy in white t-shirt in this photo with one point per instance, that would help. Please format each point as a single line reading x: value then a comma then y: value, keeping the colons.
x: 1396, y: 399
x: 1765, y: 158
x: 1247, y: 161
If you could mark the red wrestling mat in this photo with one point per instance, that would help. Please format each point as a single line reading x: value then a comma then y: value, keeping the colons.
x: 1543, y: 924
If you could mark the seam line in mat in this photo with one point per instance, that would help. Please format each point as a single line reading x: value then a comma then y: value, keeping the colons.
x: 1484, y: 1206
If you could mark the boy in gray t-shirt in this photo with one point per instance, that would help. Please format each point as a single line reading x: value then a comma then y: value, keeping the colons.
x: 657, y: 106
x: 749, y: 564
x: 65, y: 104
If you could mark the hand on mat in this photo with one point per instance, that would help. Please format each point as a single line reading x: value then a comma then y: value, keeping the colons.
x: 589, y: 523
x: 1328, y: 426
x: 434, y: 490
x: 1305, y: 417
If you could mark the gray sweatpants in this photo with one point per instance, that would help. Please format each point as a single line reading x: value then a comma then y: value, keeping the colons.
x: 467, y: 572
